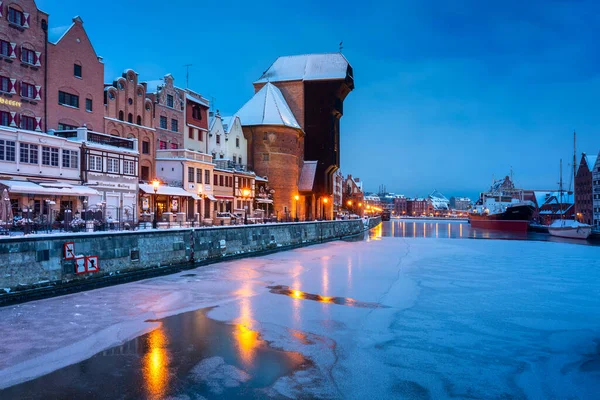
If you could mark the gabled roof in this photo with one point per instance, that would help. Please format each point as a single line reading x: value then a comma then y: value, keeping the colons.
x: 307, y: 67
x: 57, y: 33
x: 228, y: 123
x: 591, y: 161
x: 267, y: 107
x: 307, y: 176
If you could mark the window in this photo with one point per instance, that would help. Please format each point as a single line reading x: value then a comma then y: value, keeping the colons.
x: 5, y: 48
x: 112, y: 165
x: 111, y: 95
x: 174, y: 125
x: 200, y: 135
x: 139, y: 120
x: 5, y: 118
x: 130, y: 118
x: 218, y: 139
x: 66, y: 127
x: 95, y: 162
x: 50, y: 156
x: 129, y: 167
x: 88, y: 105
x: 216, y: 179
x: 265, y: 156
x: 5, y: 85
x: 70, y: 159
x: 27, y: 90
x: 120, y: 85
x: 7, y: 150
x: 145, y: 173
x: 162, y: 145
x: 198, y: 175
x: 16, y: 17
x: 191, y: 133
x: 190, y: 174
x: 170, y: 100
x: 28, y: 153
x: 207, y: 177
x: 27, y: 56
x: 196, y: 113
x: 77, y: 70
x: 265, y: 136
x: 121, y: 116
x: 67, y: 99
x: 221, y: 180
x: 240, y: 160
x: 237, y: 142
x: 28, y: 123
x: 163, y: 122
x: 173, y: 146
x: 145, y: 147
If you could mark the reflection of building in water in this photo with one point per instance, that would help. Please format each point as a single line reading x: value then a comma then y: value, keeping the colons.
x: 135, y: 346
x: 155, y: 364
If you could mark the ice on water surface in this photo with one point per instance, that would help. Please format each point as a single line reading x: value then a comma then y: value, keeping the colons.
x: 455, y: 318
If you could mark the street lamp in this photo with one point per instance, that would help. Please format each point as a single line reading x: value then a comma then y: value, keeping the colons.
x: 325, y: 200
x: 296, y: 197
x: 246, y: 195
x: 155, y: 185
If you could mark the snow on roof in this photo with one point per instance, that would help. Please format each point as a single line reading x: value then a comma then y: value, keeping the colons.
x: 267, y: 107
x: 306, y: 67
x: 307, y: 176
x: 203, y: 101
x: 591, y: 161
x: 56, y: 34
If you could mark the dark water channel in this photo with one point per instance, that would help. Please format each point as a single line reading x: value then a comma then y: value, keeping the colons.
x: 188, y: 355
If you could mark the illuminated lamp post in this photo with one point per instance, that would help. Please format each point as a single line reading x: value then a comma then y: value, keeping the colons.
x: 296, y: 197
x: 155, y: 185
x: 246, y: 195
x: 325, y: 200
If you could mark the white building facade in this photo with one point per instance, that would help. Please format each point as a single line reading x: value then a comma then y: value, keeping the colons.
x: 226, y: 141
x: 596, y: 193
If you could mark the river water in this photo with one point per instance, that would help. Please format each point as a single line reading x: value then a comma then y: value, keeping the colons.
x: 406, y: 312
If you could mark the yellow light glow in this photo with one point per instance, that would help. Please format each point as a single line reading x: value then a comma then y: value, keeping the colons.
x: 246, y: 192
x: 325, y: 200
x: 325, y: 299
x: 349, y: 203
x: 297, y: 294
x: 360, y: 204
x: 155, y: 184
x: 296, y: 197
x: 155, y: 365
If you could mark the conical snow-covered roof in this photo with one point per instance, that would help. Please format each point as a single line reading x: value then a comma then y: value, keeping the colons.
x: 267, y: 107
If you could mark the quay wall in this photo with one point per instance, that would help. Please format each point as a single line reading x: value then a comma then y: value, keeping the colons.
x: 29, y: 262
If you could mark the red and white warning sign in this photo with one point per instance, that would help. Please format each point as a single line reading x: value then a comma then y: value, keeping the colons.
x: 69, y: 250
x: 80, y: 264
x: 91, y: 264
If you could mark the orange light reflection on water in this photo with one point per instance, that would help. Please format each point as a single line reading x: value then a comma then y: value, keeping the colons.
x: 156, y: 365
x: 247, y: 339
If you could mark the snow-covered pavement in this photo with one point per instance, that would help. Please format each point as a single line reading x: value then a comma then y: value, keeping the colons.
x: 457, y: 318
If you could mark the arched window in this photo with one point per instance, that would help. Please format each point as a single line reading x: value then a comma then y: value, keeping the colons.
x: 121, y: 118
x: 139, y: 120
x: 130, y: 118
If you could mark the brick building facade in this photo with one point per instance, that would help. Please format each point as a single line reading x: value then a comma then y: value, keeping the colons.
x: 167, y: 113
x: 76, y: 85
x: 584, y: 202
x: 23, y: 70
x: 128, y: 114
x: 196, y: 122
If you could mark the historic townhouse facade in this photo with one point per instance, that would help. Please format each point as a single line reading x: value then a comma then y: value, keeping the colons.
x: 195, y: 135
x: 167, y: 113
x: 596, y: 192
x: 583, y: 190
x: 128, y: 114
x: 226, y: 141
x: 76, y: 83
x: 23, y: 65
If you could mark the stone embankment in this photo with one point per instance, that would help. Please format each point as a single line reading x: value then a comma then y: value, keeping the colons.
x: 33, y: 267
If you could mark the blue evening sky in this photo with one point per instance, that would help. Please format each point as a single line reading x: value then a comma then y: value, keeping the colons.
x: 448, y: 93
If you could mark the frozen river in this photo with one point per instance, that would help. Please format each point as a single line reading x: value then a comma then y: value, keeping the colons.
x: 385, y: 317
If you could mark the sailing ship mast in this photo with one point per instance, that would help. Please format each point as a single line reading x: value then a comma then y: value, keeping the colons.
x: 560, y: 188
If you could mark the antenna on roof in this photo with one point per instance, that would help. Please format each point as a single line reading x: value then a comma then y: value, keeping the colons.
x: 187, y: 75
x: 341, y: 45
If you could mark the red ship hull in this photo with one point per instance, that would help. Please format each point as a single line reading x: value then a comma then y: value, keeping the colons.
x: 499, y: 224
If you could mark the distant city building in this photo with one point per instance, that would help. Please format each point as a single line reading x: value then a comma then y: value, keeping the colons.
x: 338, y: 190
x: 583, y: 189
x: 596, y: 192
x: 460, y: 203
x: 400, y: 205
x: 419, y: 207
x: 353, y: 198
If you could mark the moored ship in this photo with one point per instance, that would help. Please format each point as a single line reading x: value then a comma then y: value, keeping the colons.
x: 502, y: 208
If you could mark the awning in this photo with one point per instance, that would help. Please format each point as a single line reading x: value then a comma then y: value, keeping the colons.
x: 211, y: 197
x: 48, y: 188
x: 166, y: 190
x: 224, y: 197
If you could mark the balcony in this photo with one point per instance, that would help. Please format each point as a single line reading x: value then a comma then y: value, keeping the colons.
x: 184, y: 154
x: 110, y: 140
x: 228, y: 164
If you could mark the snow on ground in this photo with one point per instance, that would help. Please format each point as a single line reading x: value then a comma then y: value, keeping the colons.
x: 464, y: 318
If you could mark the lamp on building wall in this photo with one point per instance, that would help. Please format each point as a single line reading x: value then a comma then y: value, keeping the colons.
x: 155, y: 185
x: 246, y: 195
x: 325, y: 201
x: 296, y: 197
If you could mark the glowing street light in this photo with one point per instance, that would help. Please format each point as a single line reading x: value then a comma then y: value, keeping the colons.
x: 246, y: 195
x: 325, y: 200
x: 296, y: 197
x: 155, y: 185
